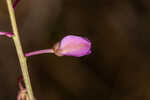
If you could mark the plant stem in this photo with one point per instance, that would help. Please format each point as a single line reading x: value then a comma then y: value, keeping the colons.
x: 22, y: 59
x: 39, y: 52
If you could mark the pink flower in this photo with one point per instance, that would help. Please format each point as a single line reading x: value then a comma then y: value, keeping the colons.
x: 72, y: 45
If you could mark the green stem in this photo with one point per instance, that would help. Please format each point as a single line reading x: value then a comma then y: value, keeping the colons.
x: 22, y: 59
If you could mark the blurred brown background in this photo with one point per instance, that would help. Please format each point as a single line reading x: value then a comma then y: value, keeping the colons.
x: 117, y: 69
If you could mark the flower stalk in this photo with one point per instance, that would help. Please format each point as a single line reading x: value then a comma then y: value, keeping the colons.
x: 8, y: 34
x: 39, y: 52
x: 22, y: 59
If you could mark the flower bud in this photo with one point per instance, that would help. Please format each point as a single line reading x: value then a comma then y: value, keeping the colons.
x: 72, y: 45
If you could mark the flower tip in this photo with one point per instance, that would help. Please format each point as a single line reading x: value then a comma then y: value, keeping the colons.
x: 89, y: 52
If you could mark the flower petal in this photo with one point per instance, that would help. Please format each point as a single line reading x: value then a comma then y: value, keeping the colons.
x: 72, y: 45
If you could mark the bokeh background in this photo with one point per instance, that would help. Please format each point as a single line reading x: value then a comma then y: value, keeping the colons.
x: 117, y: 69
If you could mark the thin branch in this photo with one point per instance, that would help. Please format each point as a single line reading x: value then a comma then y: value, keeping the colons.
x: 22, y: 59
x: 39, y: 52
x: 8, y: 34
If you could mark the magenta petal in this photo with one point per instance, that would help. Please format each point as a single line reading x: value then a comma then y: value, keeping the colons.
x: 72, y: 45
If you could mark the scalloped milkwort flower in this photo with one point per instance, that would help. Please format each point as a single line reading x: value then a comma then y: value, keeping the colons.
x: 70, y: 45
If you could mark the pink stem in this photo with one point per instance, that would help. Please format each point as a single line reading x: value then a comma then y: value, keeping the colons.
x: 39, y: 52
x: 19, y: 83
x: 8, y: 34
x: 15, y: 4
